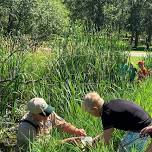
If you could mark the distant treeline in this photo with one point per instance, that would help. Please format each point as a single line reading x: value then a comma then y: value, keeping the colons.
x: 40, y: 19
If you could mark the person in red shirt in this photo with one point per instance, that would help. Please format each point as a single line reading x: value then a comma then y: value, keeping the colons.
x: 143, y: 72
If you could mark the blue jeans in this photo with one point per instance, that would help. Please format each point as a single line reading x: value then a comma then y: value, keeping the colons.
x: 132, y: 140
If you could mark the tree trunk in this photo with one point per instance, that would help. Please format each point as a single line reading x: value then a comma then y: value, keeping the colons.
x: 136, y: 39
x: 10, y: 25
x: 148, y: 40
x: 132, y: 39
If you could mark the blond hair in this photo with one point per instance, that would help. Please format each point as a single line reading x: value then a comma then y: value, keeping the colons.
x: 92, y: 99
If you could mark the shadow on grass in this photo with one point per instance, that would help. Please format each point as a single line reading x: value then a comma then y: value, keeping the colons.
x: 141, y: 48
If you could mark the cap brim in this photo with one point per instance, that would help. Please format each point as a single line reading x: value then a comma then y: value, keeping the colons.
x: 49, y: 110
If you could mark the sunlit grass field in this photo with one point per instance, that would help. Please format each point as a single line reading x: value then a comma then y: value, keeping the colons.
x: 75, y: 65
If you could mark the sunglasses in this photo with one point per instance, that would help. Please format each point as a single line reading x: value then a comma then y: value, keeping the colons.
x: 44, y: 114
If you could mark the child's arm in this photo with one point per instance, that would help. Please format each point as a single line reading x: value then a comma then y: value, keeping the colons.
x: 106, y: 136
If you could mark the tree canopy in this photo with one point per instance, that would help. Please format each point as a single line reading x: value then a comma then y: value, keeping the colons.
x: 40, y: 19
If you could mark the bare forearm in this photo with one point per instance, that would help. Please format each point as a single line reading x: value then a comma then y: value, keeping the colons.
x: 107, y: 135
x: 69, y: 128
x: 97, y: 138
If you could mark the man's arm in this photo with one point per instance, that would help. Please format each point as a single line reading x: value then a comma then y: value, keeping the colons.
x: 146, y: 130
x: 106, y: 136
x: 67, y: 127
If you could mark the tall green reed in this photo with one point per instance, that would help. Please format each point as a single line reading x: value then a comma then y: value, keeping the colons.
x: 80, y: 62
x: 86, y: 62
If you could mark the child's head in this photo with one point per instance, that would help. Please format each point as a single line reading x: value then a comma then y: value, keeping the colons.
x: 141, y: 64
x: 93, y: 104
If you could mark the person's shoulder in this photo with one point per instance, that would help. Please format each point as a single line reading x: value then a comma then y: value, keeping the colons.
x: 26, y: 115
x: 112, y: 103
x: 120, y: 101
x: 27, y: 123
x: 117, y: 100
x: 57, y: 116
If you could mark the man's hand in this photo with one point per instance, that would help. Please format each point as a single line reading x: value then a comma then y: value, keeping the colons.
x: 80, y: 132
x: 69, y: 128
x: 146, y: 130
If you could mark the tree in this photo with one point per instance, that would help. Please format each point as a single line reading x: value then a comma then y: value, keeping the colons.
x: 148, y: 24
x: 37, y: 19
x: 137, y: 22
x: 90, y: 11
x: 116, y: 14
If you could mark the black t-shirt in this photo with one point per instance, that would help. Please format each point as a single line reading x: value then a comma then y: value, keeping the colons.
x: 124, y: 115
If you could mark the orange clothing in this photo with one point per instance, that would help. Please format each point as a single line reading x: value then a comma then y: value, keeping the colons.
x: 142, y: 73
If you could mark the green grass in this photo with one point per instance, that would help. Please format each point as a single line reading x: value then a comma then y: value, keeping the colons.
x: 78, y: 63
x: 140, y: 95
x: 134, y: 60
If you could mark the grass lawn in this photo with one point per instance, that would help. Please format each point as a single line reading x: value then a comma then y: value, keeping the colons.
x: 134, y: 60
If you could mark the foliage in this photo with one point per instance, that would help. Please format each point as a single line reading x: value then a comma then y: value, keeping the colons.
x: 78, y: 61
x: 118, y: 15
x: 85, y: 55
x: 35, y: 18
x: 83, y: 62
x: 41, y: 20
x: 88, y: 10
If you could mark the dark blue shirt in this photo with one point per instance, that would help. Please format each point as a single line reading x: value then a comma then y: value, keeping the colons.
x: 124, y: 115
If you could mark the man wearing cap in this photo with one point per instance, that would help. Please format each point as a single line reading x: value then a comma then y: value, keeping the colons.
x: 39, y: 120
